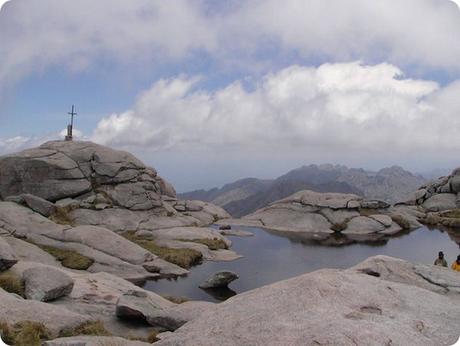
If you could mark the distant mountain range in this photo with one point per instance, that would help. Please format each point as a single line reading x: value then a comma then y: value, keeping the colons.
x: 247, y: 195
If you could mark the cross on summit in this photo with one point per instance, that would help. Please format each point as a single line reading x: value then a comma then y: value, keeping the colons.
x: 69, y: 136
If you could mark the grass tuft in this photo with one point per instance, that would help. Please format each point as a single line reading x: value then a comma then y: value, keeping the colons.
x: 25, y: 333
x: 212, y: 244
x: 68, y: 258
x: 184, y: 258
x: 12, y: 283
x: 94, y: 328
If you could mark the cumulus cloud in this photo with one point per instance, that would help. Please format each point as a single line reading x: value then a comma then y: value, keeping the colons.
x: 343, y: 108
x: 36, y: 34
x: 18, y: 143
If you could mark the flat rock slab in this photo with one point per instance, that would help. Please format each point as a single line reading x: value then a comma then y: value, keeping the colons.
x: 46, y: 283
x: 55, y: 318
x: 436, y: 275
x: 94, y: 341
x: 327, y: 307
x: 363, y: 225
x: 164, y: 268
x: 236, y: 233
x: 175, y: 317
x: 220, y: 279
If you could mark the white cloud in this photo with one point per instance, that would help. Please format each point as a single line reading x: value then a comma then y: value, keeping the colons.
x: 334, y: 111
x: 36, y: 34
x: 18, y: 143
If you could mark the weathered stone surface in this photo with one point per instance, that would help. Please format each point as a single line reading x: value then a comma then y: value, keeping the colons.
x: 363, y: 225
x: 94, y: 341
x: 108, y: 242
x: 440, y: 202
x: 26, y: 251
x: 39, y: 205
x: 189, y: 233
x: 46, y: 283
x: 7, y: 256
x: 164, y: 268
x: 135, y: 305
x: 439, y: 276
x: 383, y: 219
x: 55, y: 318
x: 454, y: 183
x: 133, y: 196
x: 220, y: 279
x: 329, y: 307
x: 175, y: 317
x: 338, y: 216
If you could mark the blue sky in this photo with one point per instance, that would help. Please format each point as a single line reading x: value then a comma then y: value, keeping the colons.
x: 208, y: 92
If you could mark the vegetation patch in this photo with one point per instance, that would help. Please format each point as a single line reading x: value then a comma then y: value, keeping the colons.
x: 62, y: 215
x: 184, y: 258
x: 212, y: 244
x: 368, y: 212
x: 25, y: 333
x: 12, y: 283
x: 151, y: 338
x: 94, y: 328
x: 453, y: 214
x: 68, y: 258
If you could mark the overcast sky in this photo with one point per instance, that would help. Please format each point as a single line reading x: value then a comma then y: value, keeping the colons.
x: 211, y: 91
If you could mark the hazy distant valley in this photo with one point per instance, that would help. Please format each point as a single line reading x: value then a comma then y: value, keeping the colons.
x: 245, y: 196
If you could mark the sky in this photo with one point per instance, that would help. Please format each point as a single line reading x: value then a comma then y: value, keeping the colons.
x: 208, y: 92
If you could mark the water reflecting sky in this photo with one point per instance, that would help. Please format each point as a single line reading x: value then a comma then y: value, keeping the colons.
x: 270, y: 257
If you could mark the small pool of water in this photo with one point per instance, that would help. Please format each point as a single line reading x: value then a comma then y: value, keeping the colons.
x: 270, y: 257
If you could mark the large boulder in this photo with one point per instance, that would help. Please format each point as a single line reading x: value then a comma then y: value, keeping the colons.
x: 220, y: 279
x: 37, y: 204
x: 330, y: 307
x: 328, y: 218
x: 62, y: 169
x: 7, y: 256
x: 440, y: 202
x: 45, y: 283
x: 136, y: 305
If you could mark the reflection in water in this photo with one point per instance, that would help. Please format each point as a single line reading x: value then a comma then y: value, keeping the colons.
x: 270, y: 257
x: 221, y: 294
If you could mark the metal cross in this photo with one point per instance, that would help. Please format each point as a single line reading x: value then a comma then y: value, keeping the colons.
x: 70, y: 127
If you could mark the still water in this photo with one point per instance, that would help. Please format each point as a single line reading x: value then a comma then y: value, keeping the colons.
x: 269, y: 257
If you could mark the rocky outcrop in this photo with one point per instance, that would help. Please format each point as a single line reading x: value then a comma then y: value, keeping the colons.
x: 220, y: 279
x: 75, y: 196
x: 331, y: 218
x: 248, y: 195
x: 383, y: 301
x: 55, y: 318
x: 46, y: 283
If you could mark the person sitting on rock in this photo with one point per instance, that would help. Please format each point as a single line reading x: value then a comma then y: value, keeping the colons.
x: 440, y: 261
x: 456, y: 265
